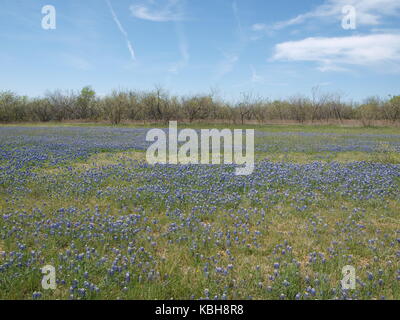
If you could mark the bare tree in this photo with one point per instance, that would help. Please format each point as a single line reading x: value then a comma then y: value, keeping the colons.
x: 245, y: 107
x: 12, y: 107
x: 197, y: 108
x: 160, y: 106
x: 134, y: 110
x: 368, y: 112
x: 391, y: 109
x: 318, y: 101
x: 336, y: 106
x: 115, y: 106
x: 300, y: 106
x: 41, y: 109
x: 260, y: 111
x: 62, y: 104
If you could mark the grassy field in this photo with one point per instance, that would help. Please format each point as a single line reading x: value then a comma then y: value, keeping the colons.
x: 321, y: 127
x: 82, y: 199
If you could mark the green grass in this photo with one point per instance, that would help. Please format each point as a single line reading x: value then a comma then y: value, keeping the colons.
x: 275, y: 128
x: 334, y: 227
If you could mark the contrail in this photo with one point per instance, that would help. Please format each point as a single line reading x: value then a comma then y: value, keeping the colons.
x: 122, y: 30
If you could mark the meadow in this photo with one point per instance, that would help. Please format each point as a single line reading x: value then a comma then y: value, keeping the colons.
x: 83, y: 199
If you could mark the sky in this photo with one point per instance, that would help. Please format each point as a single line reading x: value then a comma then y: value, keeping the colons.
x: 272, y: 49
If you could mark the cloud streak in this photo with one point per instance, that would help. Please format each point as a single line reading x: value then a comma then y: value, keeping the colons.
x: 255, y: 78
x: 166, y: 11
x: 238, y: 21
x: 227, y: 64
x: 122, y: 30
x: 232, y: 58
x: 183, y: 49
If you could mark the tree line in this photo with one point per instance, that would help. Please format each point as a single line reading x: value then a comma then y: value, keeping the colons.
x: 160, y: 106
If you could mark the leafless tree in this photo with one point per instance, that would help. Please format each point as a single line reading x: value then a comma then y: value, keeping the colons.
x: 318, y: 101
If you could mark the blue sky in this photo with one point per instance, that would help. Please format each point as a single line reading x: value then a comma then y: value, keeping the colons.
x: 270, y: 48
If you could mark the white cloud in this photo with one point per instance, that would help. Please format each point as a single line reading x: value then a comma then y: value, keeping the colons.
x: 369, y: 13
x: 336, y: 54
x: 122, y: 30
x: 235, y: 10
x: 169, y: 10
x: 259, y: 27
